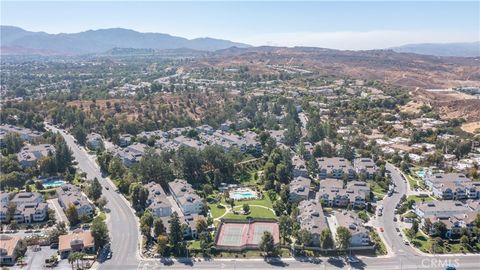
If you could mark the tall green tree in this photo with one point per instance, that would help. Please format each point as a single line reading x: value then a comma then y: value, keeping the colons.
x: 176, y: 234
x: 326, y: 239
x: 95, y: 190
x: 267, y: 244
x: 154, y: 167
x: 343, y: 237
x: 100, y: 233
x: 158, y: 227
x: 72, y: 215
x: 12, y: 142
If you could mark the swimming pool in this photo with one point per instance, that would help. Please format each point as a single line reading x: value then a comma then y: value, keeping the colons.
x: 243, y: 194
x: 421, y: 174
x: 53, y: 183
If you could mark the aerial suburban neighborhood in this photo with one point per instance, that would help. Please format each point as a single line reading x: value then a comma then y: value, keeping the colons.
x: 151, y: 151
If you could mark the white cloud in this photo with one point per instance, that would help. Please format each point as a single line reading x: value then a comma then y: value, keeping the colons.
x: 358, y: 40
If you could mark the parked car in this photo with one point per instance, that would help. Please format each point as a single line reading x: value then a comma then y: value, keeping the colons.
x: 395, y: 219
x: 352, y: 259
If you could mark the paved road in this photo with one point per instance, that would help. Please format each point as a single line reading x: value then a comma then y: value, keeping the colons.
x: 392, y: 239
x: 121, y: 221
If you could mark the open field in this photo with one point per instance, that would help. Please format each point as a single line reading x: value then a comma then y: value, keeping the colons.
x: 473, y: 127
x: 216, y: 211
x: 255, y: 212
x: 419, y: 198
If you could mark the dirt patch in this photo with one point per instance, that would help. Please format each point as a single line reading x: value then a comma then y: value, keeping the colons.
x: 473, y: 127
x: 412, y: 106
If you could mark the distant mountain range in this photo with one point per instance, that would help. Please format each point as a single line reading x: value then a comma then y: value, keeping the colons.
x: 114, y: 41
x: 467, y: 49
x: 15, y: 40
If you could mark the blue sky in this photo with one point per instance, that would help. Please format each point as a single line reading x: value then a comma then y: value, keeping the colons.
x: 343, y: 25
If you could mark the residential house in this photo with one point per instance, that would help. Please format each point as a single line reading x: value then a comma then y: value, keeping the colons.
x: 4, y: 203
x: 185, y: 196
x: 125, y: 140
x: 205, y: 129
x: 440, y: 209
x: 299, y: 189
x: 8, y: 247
x: 130, y: 154
x: 71, y: 195
x: 30, y: 154
x: 455, y: 223
x: 157, y: 201
x: 277, y: 135
x: 366, y: 166
x: 24, y: 133
x: 188, y: 142
x: 30, y: 207
x: 299, y: 167
x: 333, y: 194
x: 335, y: 167
x: 94, y: 141
x: 78, y: 241
x: 452, y: 186
x: 360, y: 234
x: 312, y: 219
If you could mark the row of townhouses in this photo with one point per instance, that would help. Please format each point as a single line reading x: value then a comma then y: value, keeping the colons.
x: 24, y: 133
x: 189, y: 204
x: 30, y: 207
x: 452, y: 186
x: 29, y: 155
x: 337, y: 167
x: 454, y: 214
x: 72, y: 195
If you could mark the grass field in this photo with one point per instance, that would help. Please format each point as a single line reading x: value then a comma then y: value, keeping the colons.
x: 424, y: 243
x: 412, y: 181
x: 419, y: 199
x: 255, y: 212
x: 376, y: 189
x: 216, y: 212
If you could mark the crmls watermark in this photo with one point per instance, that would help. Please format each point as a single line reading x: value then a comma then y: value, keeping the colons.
x: 439, y: 263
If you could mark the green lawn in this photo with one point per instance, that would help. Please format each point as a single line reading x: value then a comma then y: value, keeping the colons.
x: 255, y: 212
x: 377, y: 189
x: 102, y: 215
x: 412, y: 181
x: 194, y: 244
x: 380, y: 246
x: 419, y: 198
x: 424, y: 243
x: 216, y: 212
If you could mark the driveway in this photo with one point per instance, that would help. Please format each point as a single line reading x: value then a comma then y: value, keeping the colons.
x: 55, y: 205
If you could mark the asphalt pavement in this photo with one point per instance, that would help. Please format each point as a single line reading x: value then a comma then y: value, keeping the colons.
x: 122, y: 222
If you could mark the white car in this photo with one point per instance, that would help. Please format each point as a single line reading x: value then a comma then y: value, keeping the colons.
x: 352, y: 259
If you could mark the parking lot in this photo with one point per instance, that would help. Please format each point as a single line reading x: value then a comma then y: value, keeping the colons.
x: 36, y: 259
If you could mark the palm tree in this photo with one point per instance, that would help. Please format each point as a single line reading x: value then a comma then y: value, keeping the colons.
x: 76, y: 257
